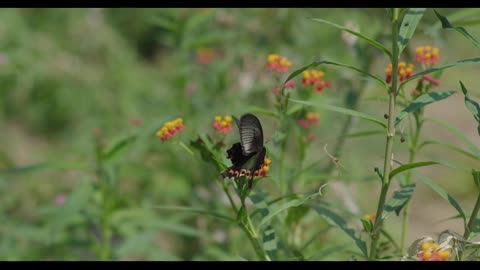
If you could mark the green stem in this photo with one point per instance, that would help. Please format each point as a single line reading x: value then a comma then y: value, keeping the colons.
x: 411, y: 159
x: 105, y: 249
x: 247, y: 226
x: 186, y: 148
x: 375, y: 235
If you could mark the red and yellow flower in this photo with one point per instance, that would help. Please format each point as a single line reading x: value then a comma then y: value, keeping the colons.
x: 224, y: 125
x: 278, y: 63
x: 170, y: 129
x: 404, y: 72
x: 265, y: 167
x: 315, y: 78
x: 427, y: 55
x: 310, y: 119
x: 431, y: 252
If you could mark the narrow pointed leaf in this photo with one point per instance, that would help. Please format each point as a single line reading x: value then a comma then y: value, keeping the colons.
x: 410, y: 166
x: 442, y: 193
x: 474, y: 149
x: 408, y: 26
x: 450, y: 146
x: 438, y: 68
x: 342, y: 224
x: 472, y: 106
x: 398, y: 201
x: 326, y: 62
x: 447, y: 25
x: 421, y: 102
x: 196, y: 211
x: 371, y: 41
x: 342, y: 110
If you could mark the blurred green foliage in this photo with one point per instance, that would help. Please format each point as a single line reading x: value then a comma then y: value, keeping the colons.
x: 74, y: 83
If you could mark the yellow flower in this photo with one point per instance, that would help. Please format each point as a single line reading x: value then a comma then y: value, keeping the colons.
x: 218, y: 119
x: 444, y: 254
x: 273, y: 57
x: 228, y: 119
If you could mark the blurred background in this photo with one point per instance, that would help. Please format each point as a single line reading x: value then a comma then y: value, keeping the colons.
x: 73, y: 79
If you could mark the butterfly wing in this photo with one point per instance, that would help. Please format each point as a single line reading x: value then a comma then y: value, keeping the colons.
x: 247, y: 156
x: 251, y: 134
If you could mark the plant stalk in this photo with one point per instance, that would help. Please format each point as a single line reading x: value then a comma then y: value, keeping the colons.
x: 390, y: 136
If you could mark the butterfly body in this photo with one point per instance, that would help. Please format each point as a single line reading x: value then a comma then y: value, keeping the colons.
x: 248, y: 155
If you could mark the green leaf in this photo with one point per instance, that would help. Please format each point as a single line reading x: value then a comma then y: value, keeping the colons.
x: 342, y: 224
x: 342, y: 110
x: 398, y: 201
x: 269, y: 238
x: 206, y: 149
x: 371, y: 41
x: 410, y: 166
x: 421, y: 102
x: 459, y: 135
x: 476, y: 178
x: 446, y: 25
x: 367, y: 225
x: 408, y: 26
x: 450, y: 146
x: 290, y: 204
x: 472, y: 106
x: 364, y: 134
x: 438, y: 68
x: 44, y: 166
x: 442, y: 193
x: 196, y: 211
x: 118, y: 146
x: 326, y: 62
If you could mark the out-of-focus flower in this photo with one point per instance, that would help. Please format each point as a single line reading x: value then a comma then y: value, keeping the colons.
x: 315, y: 78
x: 205, y: 56
x: 288, y: 85
x: 427, y: 55
x: 404, y: 72
x: 416, y: 93
x: 278, y: 63
x: 347, y: 38
x: 309, y: 120
x: 265, y: 167
x: 431, y: 252
x: 276, y: 90
x: 135, y: 122
x: 224, y: 125
x: 370, y: 217
x: 431, y: 80
x: 170, y: 129
x: 60, y: 200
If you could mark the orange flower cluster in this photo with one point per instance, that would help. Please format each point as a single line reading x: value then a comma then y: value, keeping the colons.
x: 404, y: 72
x: 310, y: 120
x: 265, y: 167
x: 427, y: 55
x: 278, y: 63
x: 205, y: 56
x: 170, y: 129
x: 430, y: 252
x: 315, y: 78
x: 223, y: 126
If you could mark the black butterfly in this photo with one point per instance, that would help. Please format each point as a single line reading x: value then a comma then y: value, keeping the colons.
x: 248, y: 155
